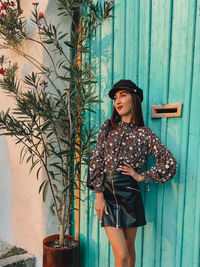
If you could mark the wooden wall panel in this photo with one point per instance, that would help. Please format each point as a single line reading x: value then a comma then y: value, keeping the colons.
x: 155, y: 43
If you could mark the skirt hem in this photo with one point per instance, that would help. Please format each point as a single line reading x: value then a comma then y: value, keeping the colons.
x: 126, y: 226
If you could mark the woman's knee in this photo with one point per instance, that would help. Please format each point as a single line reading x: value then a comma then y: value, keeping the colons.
x: 122, y: 256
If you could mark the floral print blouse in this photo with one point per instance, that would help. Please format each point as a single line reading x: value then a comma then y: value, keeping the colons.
x: 133, y: 145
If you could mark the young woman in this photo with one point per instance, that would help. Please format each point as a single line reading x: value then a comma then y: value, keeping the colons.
x: 122, y: 149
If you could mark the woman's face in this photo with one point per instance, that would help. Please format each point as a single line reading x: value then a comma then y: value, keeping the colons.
x: 123, y: 103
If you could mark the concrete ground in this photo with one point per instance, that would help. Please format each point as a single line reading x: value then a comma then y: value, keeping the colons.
x: 4, y: 247
x: 23, y: 260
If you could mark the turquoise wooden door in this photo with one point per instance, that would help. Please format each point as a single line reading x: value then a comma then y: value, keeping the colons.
x: 155, y: 43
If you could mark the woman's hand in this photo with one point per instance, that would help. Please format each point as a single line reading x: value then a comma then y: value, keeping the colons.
x: 128, y: 170
x: 100, y: 205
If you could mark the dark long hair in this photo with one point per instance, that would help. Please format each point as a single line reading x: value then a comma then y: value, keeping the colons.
x: 137, y: 114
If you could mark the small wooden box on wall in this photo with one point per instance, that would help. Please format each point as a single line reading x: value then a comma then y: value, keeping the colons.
x: 168, y: 110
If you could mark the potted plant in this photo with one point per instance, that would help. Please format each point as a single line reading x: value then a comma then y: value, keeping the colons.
x: 48, y: 119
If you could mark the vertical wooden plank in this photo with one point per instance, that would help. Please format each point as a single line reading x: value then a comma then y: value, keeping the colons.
x: 144, y: 53
x: 195, y: 142
x: 160, y: 64
x: 132, y: 40
x: 119, y: 40
x: 148, y: 237
x: 157, y: 90
x: 105, y: 83
x: 196, y: 228
x: 131, y: 72
x: 143, y: 82
x: 84, y: 220
x: 180, y: 90
x: 95, y: 119
x: 192, y: 157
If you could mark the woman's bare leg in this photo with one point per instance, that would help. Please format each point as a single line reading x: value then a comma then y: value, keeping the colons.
x: 118, y: 242
x: 130, y: 235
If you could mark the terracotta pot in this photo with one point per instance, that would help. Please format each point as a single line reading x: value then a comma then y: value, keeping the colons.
x: 59, y: 257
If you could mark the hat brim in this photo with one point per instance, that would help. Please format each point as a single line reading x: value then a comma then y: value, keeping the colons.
x: 113, y: 91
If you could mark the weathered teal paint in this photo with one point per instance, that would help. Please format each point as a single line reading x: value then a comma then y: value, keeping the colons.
x: 156, y: 43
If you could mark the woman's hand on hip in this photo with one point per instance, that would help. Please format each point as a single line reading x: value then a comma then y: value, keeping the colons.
x: 100, y: 205
x: 128, y: 170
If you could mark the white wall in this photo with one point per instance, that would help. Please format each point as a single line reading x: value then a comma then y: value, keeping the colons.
x: 24, y: 219
x: 5, y: 193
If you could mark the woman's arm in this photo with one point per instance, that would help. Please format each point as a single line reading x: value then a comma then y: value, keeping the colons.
x: 128, y: 170
x: 100, y: 205
x: 166, y: 165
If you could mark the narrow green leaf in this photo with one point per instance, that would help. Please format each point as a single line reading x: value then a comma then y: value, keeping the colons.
x: 38, y: 171
x: 45, y: 190
x: 62, y: 36
x: 48, y: 41
x: 66, y: 78
x: 69, y: 44
x: 29, y: 158
x: 55, y: 188
x: 33, y: 165
x: 42, y: 184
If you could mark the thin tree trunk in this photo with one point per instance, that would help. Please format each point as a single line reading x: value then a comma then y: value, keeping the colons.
x: 61, y: 235
x: 62, y: 225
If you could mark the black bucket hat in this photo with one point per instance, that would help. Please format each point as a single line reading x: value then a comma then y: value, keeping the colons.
x: 126, y: 85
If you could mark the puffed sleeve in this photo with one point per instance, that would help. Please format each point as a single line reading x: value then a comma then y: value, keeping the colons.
x: 96, y: 168
x: 166, y: 165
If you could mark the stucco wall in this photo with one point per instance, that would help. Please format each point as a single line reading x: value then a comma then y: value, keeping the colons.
x: 24, y: 219
x: 5, y: 192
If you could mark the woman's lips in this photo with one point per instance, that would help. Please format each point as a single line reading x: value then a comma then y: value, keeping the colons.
x: 120, y: 107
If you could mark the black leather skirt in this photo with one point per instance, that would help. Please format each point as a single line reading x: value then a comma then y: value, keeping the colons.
x: 124, y: 202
